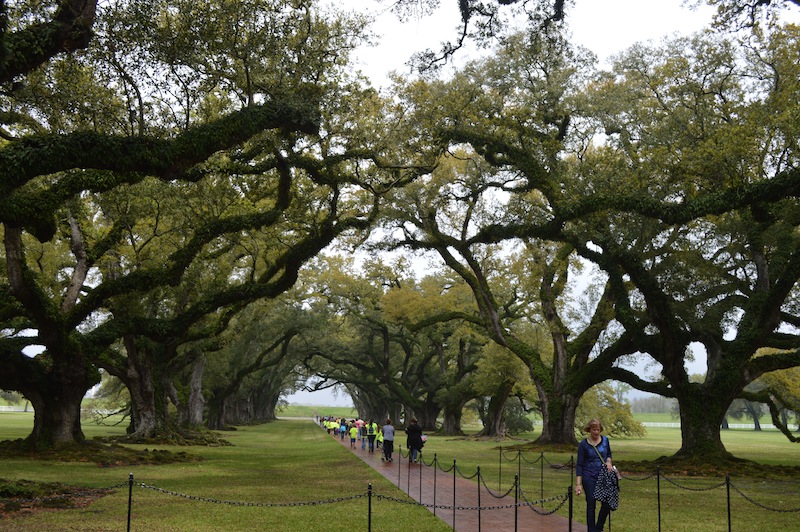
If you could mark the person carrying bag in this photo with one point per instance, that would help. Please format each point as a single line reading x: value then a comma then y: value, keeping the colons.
x: 606, y: 488
x: 591, y: 469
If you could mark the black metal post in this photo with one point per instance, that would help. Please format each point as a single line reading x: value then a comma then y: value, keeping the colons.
x: 500, y: 471
x: 479, y: 498
x: 516, y: 503
x: 130, y: 499
x: 728, y: 489
x: 541, y: 473
x: 454, y: 493
x: 369, y: 507
x: 519, y: 465
x: 419, y: 472
x: 570, y: 504
x: 570, y: 491
x: 399, y: 464
x: 658, y: 492
x: 435, y: 467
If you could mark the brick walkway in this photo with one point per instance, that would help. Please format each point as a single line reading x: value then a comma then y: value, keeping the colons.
x: 419, y: 481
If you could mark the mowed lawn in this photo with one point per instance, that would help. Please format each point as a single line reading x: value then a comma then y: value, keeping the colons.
x: 296, y: 475
x: 299, y: 479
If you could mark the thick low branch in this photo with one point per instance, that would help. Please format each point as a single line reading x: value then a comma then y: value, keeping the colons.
x: 785, y: 185
x: 764, y: 364
x: 70, y: 29
x: 659, y: 388
x: 127, y: 159
x: 271, y: 284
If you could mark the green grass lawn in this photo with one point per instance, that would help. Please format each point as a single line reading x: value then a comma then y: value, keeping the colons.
x: 276, y: 465
x: 292, y: 461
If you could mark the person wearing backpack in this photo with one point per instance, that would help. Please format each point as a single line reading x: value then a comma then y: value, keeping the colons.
x: 372, y: 432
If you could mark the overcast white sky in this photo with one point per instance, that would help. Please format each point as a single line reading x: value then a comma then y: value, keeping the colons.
x: 606, y: 27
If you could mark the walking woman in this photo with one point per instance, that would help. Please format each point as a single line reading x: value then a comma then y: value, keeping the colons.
x: 414, y: 440
x: 594, y: 453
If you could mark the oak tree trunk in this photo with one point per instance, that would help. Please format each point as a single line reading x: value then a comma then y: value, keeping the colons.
x: 56, y: 397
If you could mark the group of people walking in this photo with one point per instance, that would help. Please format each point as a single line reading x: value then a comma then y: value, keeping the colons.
x: 372, y: 436
x: 368, y: 434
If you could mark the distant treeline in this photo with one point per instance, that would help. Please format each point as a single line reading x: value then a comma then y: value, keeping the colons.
x: 655, y: 404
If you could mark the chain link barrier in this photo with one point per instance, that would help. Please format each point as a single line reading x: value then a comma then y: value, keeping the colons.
x: 462, y: 475
x: 568, y: 465
x: 492, y: 492
x: 532, y: 504
x: 251, y: 504
x: 687, y: 488
x: 442, y: 468
x: 761, y: 505
x: 445, y: 506
x: 638, y: 479
x: 562, y: 500
x: 524, y: 459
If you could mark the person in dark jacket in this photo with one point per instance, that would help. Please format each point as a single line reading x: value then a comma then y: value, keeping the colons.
x: 594, y: 454
x: 414, y: 440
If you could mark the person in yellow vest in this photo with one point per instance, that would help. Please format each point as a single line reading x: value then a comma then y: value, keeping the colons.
x: 353, y: 435
x: 379, y: 439
x: 372, y: 433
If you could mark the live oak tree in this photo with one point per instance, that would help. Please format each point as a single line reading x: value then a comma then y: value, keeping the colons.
x: 500, y: 378
x: 714, y: 259
x: 372, y: 338
x: 43, y: 172
x: 482, y: 23
x: 520, y: 301
x: 748, y: 13
x: 780, y: 391
x: 387, y: 367
x: 246, y: 376
x: 59, y: 27
x: 459, y: 346
x: 705, y: 208
x: 513, y: 111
